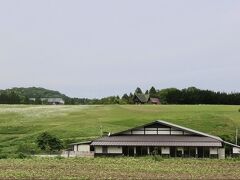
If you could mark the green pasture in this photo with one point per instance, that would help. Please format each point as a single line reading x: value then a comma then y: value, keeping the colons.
x: 22, y: 123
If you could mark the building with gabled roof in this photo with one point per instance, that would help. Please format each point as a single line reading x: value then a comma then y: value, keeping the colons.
x: 140, y: 98
x: 154, y: 101
x: 162, y: 138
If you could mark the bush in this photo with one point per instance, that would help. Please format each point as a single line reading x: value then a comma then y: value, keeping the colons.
x: 66, y: 142
x: 3, y: 156
x: 22, y: 155
x: 59, y: 157
x: 157, y: 158
x: 28, y: 148
x: 238, y: 110
x: 49, y: 143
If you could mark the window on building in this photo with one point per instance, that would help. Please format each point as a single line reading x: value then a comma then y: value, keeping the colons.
x: 200, y: 151
x: 104, y: 149
x: 173, y: 151
x: 91, y: 148
x: 144, y: 151
x: 138, y: 151
x: 186, y: 151
x: 179, y: 152
x: 206, y: 152
x: 192, y: 152
x: 155, y: 150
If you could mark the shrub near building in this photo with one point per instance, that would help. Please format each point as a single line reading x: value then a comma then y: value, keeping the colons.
x: 49, y: 143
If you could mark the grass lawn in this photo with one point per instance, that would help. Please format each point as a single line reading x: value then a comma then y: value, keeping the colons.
x: 118, y: 168
x: 22, y: 123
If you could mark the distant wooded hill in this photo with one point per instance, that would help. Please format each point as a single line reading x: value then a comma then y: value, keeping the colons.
x: 22, y: 95
x: 37, y: 92
x: 189, y: 95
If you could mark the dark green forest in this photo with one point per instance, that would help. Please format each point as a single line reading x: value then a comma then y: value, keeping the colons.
x: 22, y: 95
x: 191, y: 95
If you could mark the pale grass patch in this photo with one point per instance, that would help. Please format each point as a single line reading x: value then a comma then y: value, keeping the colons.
x: 38, y: 111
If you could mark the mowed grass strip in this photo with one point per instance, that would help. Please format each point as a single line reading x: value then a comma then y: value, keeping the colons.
x: 118, y: 168
x: 22, y: 123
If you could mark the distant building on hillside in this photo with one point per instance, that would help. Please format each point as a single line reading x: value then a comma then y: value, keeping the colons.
x: 32, y: 99
x: 140, y: 98
x: 154, y: 101
x: 52, y: 101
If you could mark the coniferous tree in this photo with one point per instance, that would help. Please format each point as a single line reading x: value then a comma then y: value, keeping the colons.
x: 125, y: 99
x: 153, y: 92
x: 138, y: 90
x: 131, y: 98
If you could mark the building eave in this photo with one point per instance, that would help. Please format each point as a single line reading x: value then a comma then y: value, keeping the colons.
x: 231, y: 144
x: 79, y: 143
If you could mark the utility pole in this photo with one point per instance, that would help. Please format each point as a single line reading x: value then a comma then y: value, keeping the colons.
x: 236, y: 136
x: 101, y: 131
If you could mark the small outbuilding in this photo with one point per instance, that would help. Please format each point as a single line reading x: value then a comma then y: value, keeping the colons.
x: 154, y: 101
x: 81, y: 149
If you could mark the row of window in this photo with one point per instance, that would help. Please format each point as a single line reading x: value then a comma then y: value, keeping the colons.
x: 168, y: 132
x: 171, y: 151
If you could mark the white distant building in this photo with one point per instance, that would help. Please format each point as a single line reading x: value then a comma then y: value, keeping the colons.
x: 53, y: 101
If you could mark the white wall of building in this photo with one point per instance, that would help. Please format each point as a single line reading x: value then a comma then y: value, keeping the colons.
x: 114, y: 149
x: 137, y: 132
x: 221, y: 153
x: 75, y: 147
x: 236, y: 150
x: 81, y: 148
x: 180, y: 149
x: 98, y: 149
x: 164, y: 132
x: 165, y: 150
x: 110, y: 149
x: 177, y: 132
x: 213, y: 150
x: 84, y: 148
x: 150, y: 132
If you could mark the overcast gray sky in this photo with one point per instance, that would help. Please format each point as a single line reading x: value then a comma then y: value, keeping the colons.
x: 100, y: 48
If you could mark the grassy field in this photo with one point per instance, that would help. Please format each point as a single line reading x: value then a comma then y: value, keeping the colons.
x: 118, y: 168
x: 20, y: 123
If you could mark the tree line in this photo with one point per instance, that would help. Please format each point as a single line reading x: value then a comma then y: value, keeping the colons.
x: 191, y: 95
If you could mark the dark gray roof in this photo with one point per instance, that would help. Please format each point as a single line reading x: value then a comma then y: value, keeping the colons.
x: 156, y: 140
x: 142, y: 97
x: 84, y: 142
